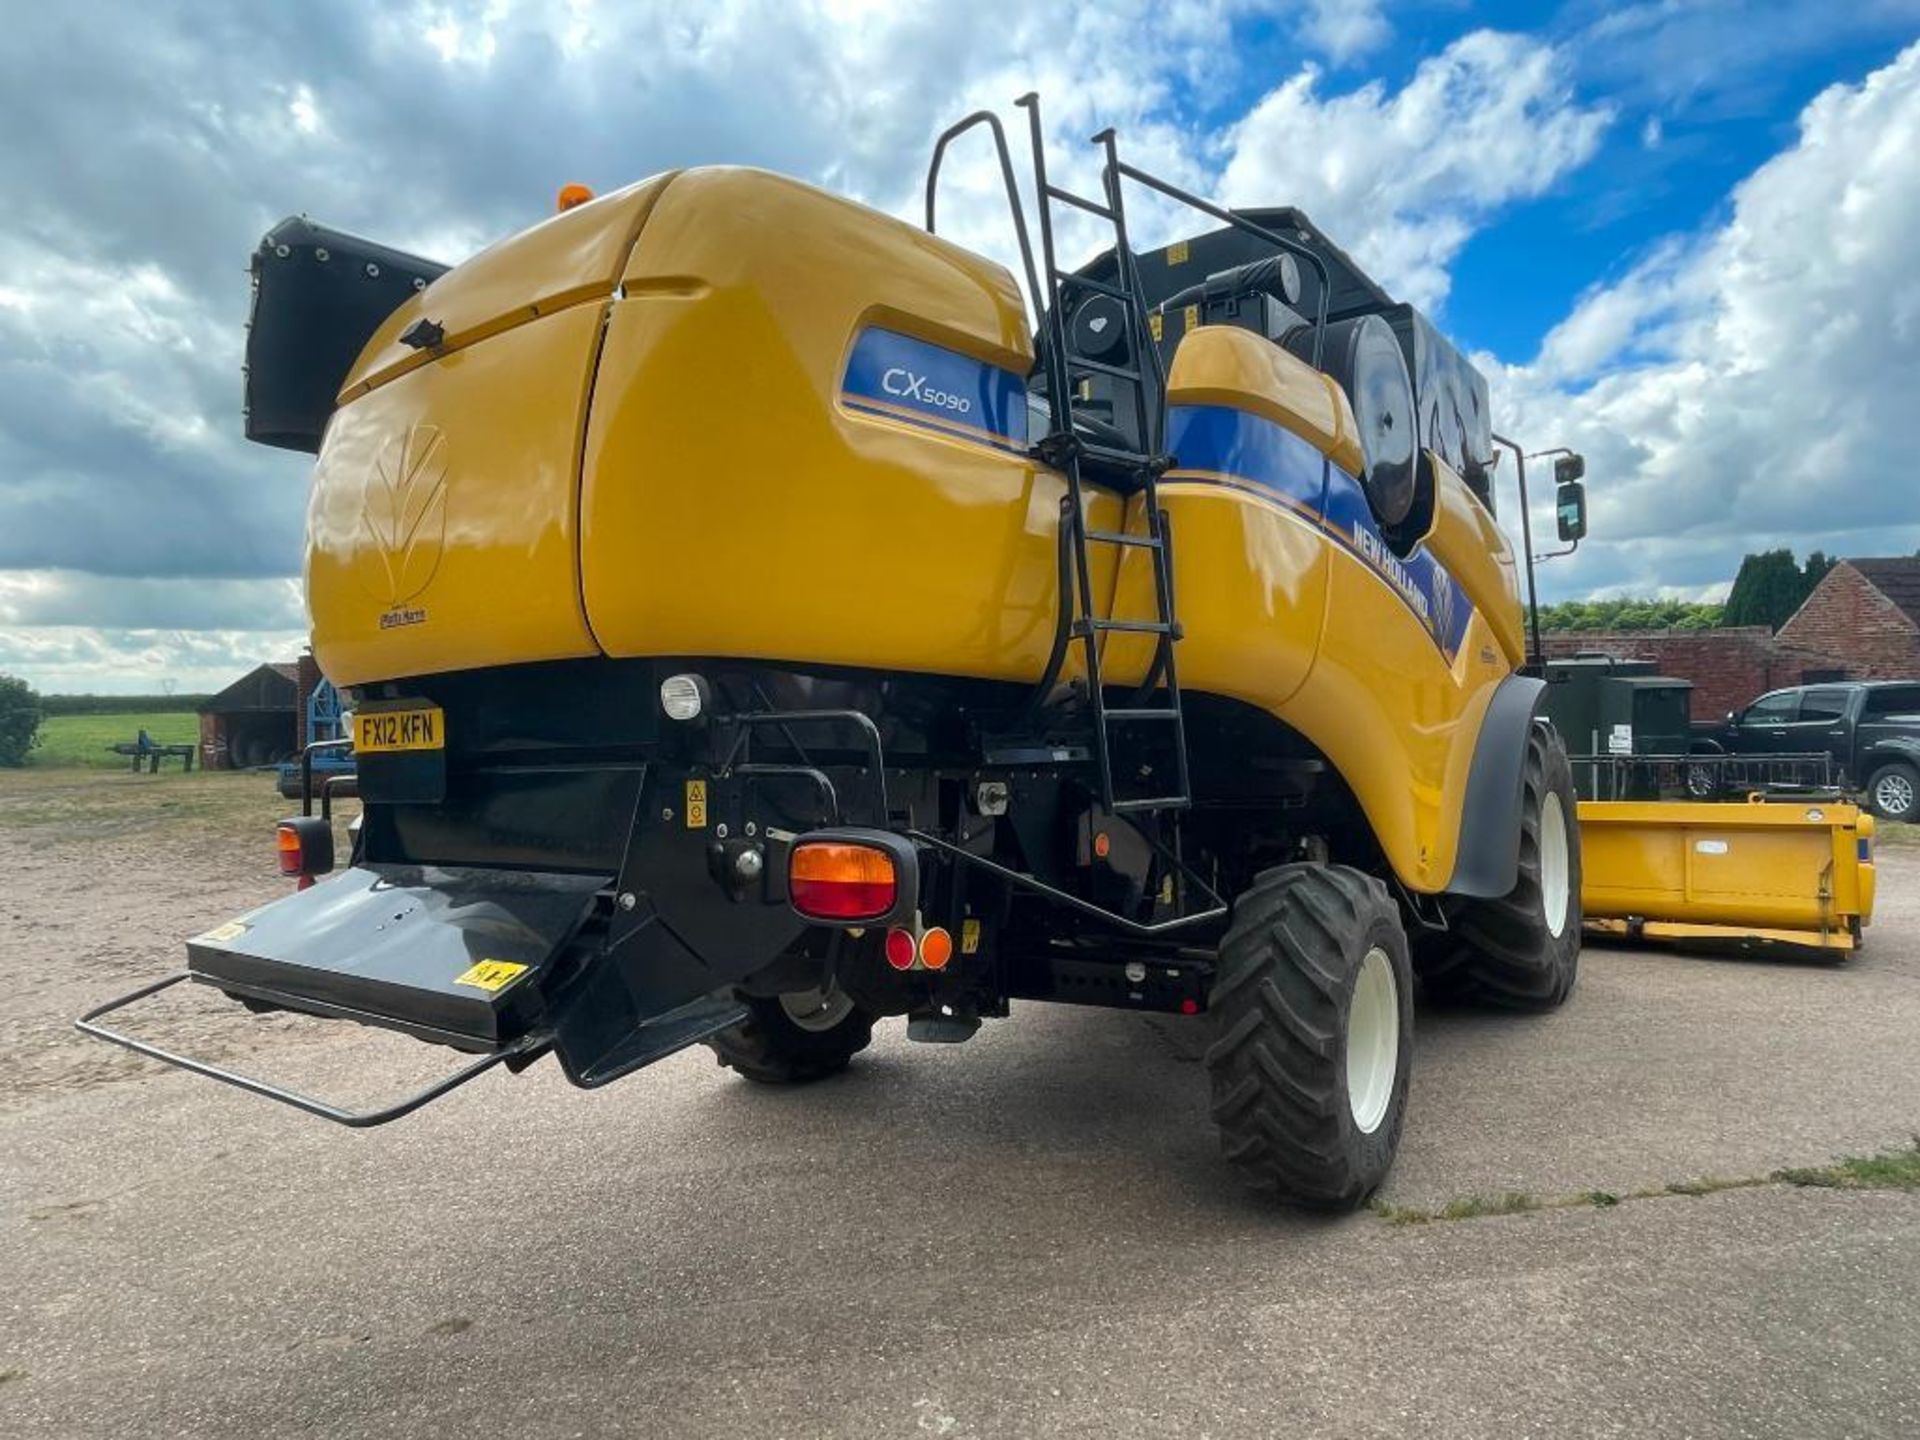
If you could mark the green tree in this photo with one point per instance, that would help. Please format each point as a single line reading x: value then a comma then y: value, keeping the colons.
x: 19, y: 720
x: 1771, y: 585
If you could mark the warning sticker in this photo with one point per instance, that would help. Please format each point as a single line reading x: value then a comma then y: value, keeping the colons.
x: 491, y: 975
x: 969, y: 936
x: 1190, y: 317
x: 1177, y: 253
x: 1157, y: 323
x: 696, y: 804
x: 220, y: 934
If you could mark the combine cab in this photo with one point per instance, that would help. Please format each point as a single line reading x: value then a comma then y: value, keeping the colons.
x: 754, y: 627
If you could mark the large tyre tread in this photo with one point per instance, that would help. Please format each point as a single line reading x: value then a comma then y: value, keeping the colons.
x: 1500, y: 952
x: 1278, y: 1065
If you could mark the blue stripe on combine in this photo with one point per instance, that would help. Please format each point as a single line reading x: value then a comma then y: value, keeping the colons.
x: 910, y: 380
x: 1220, y: 441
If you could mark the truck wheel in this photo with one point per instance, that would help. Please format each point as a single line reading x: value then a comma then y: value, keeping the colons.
x: 1522, y: 951
x: 1894, y: 792
x: 793, y: 1038
x: 1313, y: 1011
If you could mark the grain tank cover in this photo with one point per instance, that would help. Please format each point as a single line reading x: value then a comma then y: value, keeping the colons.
x: 1454, y: 418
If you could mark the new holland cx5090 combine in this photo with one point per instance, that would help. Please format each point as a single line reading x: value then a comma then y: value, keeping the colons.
x: 754, y: 629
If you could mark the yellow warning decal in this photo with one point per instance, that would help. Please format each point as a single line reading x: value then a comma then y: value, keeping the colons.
x: 491, y: 975
x: 1177, y: 253
x: 220, y: 934
x: 969, y: 937
x: 696, y: 804
x: 1191, y: 317
x: 1157, y: 323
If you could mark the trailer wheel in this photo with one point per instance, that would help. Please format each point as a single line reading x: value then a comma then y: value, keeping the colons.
x: 790, y: 1039
x: 1313, y: 1013
x: 1522, y: 951
x: 1894, y: 792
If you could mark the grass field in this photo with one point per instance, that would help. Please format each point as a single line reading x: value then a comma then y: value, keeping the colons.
x: 67, y: 741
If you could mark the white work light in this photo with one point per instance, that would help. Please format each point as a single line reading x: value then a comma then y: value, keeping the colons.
x: 683, y: 697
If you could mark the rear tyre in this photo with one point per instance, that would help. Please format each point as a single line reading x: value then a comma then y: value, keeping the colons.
x: 1312, y: 1009
x: 1522, y: 951
x: 1894, y: 792
x: 793, y: 1038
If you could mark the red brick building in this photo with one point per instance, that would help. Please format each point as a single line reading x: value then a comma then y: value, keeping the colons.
x: 1862, y: 622
x: 1865, y: 616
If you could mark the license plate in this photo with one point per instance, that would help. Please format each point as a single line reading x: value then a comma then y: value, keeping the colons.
x: 377, y: 731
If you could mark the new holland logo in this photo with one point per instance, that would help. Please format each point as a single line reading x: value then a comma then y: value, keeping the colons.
x: 405, y: 521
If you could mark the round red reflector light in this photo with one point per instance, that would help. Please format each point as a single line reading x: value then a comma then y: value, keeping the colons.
x: 899, y: 949
x: 936, y: 949
x: 1189, y: 1007
x: 1102, y: 844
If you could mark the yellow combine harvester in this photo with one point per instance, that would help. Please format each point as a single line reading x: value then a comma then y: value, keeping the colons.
x: 756, y: 625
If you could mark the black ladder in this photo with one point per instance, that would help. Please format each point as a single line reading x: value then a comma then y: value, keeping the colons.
x: 1140, y: 469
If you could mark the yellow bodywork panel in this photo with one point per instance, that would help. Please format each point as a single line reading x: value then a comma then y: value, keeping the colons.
x: 1225, y: 365
x: 738, y: 501
x: 573, y: 257
x: 1785, y: 866
x: 442, y: 530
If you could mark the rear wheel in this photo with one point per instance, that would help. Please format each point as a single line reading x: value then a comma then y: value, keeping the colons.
x: 792, y: 1038
x: 1522, y: 951
x: 1313, y: 1017
x: 1894, y: 792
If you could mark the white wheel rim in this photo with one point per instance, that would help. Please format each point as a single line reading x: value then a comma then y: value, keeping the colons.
x: 1894, y: 792
x: 1555, y: 871
x: 816, y: 1010
x: 1373, y: 1041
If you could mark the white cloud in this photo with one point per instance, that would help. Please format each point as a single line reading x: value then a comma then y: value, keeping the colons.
x: 1754, y: 386
x: 1346, y: 29
x: 1404, y: 178
x: 70, y: 659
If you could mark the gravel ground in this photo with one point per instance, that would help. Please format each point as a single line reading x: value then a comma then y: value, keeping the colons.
x: 1028, y: 1234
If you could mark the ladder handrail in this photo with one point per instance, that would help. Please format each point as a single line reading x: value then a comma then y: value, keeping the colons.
x: 1014, y: 205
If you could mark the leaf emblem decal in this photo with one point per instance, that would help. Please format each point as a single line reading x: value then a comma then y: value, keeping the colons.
x: 405, y: 514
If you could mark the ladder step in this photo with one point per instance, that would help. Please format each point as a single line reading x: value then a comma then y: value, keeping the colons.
x: 1081, y: 202
x: 1099, y: 287
x: 1133, y: 627
x: 1139, y: 713
x: 1113, y: 537
x: 1100, y: 367
x: 1151, y: 802
x: 1118, y: 459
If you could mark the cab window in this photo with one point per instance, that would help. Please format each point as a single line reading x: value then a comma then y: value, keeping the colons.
x: 1892, y: 700
x: 1823, y: 704
x: 1775, y: 709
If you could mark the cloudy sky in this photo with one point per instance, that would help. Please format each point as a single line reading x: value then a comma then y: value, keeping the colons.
x: 1679, y: 235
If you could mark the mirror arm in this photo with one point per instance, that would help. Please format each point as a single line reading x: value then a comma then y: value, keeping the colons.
x: 1539, y: 657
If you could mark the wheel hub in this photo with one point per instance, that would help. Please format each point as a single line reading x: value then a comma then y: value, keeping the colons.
x: 1555, y: 868
x: 816, y: 1010
x: 1373, y: 1041
x: 1893, y: 794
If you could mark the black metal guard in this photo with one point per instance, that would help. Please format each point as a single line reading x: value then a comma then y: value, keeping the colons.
x: 735, y: 762
x: 522, y: 1050
x: 306, y: 767
x: 1706, y: 776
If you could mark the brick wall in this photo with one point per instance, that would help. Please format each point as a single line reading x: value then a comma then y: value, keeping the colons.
x: 1728, y: 667
x: 1848, y: 619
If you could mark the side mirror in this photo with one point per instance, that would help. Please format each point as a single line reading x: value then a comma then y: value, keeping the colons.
x: 1569, y: 468
x: 1733, y: 716
x: 1570, y: 506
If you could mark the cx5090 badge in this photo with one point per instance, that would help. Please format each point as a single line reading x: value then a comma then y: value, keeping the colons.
x: 909, y: 386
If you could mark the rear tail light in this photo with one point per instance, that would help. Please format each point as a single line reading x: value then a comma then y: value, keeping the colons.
x: 841, y: 880
x: 304, y: 845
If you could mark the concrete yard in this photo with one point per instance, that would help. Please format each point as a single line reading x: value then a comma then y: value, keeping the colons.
x: 1031, y: 1234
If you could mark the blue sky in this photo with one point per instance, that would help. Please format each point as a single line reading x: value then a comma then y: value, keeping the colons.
x: 1676, y: 234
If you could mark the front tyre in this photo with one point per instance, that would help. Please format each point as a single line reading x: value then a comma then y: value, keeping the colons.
x: 793, y: 1038
x: 1522, y: 951
x: 1312, y: 1008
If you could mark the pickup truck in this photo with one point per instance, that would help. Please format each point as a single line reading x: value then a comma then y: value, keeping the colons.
x: 1870, y: 729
